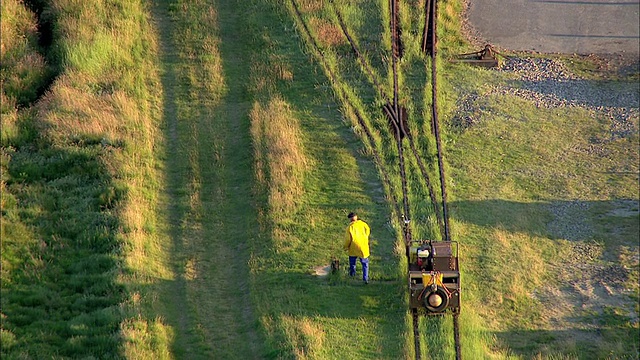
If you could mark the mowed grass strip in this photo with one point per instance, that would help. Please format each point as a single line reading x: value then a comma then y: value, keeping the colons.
x: 207, y: 202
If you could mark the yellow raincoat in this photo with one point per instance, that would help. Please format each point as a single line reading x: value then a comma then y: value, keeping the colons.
x: 357, y: 239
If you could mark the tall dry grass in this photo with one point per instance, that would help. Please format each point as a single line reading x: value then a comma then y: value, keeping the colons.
x: 279, y: 153
x: 24, y: 71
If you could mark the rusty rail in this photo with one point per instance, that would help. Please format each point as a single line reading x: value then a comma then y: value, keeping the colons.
x: 397, y: 117
x: 361, y: 122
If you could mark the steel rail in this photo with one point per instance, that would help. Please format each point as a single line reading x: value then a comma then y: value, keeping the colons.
x: 333, y: 77
x: 431, y: 49
x: 435, y: 122
x: 395, y: 114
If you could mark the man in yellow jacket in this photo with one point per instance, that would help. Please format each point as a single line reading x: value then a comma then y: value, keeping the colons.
x: 357, y: 245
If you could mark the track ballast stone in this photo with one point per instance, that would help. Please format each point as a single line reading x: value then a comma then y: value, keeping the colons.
x: 548, y: 83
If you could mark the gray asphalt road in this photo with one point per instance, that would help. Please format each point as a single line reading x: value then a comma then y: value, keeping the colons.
x: 559, y: 26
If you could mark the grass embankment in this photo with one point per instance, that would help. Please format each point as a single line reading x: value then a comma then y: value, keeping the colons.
x: 77, y: 174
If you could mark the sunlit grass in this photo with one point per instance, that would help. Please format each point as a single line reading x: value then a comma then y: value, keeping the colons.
x: 509, y: 170
x: 110, y: 222
x: 279, y: 154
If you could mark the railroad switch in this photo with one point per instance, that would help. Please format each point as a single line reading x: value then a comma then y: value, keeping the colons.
x: 398, y: 121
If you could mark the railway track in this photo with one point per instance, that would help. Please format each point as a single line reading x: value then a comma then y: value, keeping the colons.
x: 429, y: 40
x: 367, y: 132
x: 396, y: 114
x: 397, y: 118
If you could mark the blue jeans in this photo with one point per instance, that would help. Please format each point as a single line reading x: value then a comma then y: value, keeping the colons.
x: 365, y: 267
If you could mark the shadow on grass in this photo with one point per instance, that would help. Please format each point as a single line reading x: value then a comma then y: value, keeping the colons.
x: 209, y: 183
x: 176, y: 309
x: 573, y: 220
x: 616, y: 342
x: 60, y: 294
x: 597, y: 283
x: 336, y: 306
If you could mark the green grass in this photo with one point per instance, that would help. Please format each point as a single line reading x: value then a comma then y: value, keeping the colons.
x: 24, y: 72
x: 173, y: 193
x: 510, y: 170
x: 238, y: 187
x: 67, y: 184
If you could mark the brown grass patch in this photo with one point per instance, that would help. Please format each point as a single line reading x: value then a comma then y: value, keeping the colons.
x: 307, y: 6
x: 306, y: 337
x: 137, y: 332
x: 75, y: 113
x: 265, y: 72
x: 16, y: 23
x: 328, y: 34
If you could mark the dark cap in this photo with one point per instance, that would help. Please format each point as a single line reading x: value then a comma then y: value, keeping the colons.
x: 351, y: 215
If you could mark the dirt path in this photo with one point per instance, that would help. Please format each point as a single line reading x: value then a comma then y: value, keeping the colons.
x: 207, y: 304
x: 174, y: 291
